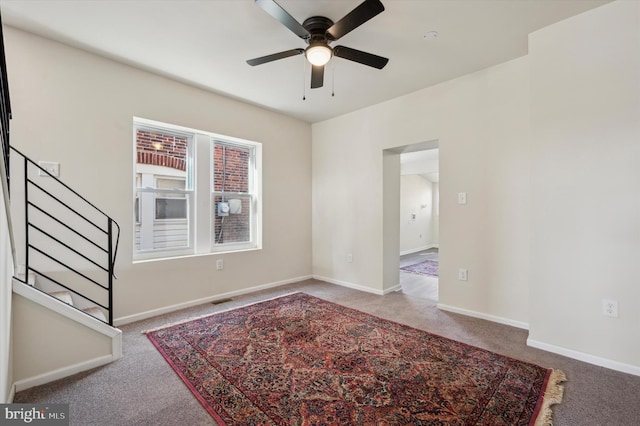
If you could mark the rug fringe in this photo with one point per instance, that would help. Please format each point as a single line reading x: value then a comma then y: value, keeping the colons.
x: 552, y: 395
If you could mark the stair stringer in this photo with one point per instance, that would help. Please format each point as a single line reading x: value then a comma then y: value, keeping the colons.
x: 39, y: 358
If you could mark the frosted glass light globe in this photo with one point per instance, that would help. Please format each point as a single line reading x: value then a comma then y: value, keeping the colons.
x: 318, y: 54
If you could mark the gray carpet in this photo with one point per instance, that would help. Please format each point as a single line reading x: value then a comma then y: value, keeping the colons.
x: 141, y: 388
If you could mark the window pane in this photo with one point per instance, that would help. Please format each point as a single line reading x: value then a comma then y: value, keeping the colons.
x: 157, y: 148
x: 232, y: 225
x: 162, y: 162
x: 231, y: 168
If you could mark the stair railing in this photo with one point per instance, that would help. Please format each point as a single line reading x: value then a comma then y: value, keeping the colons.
x: 5, y: 106
x: 68, y: 241
x: 5, y: 116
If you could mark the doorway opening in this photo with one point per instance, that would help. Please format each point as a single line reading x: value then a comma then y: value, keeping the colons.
x: 417, y: 226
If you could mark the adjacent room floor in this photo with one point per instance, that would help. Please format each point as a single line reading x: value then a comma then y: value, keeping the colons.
x: 142, y: 389
x: 419, y: 285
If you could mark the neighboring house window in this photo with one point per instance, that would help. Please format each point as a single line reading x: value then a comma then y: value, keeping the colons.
x: 171, y: 205
x: 169, y: 221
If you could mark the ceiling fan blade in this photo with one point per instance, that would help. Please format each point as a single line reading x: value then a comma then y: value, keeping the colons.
x: 358, y: 16
x: 361, y: 57
x: 317, y: 76
x: 275, y: 10
x: 274, y: 57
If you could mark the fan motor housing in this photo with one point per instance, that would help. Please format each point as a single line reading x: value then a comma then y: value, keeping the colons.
x: 317, y: 27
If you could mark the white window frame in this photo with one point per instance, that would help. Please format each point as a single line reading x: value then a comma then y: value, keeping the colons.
x: 201, y: 209
x: 252, y: 194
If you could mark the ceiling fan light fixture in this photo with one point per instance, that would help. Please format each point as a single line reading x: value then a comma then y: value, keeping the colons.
x: 318, y: 54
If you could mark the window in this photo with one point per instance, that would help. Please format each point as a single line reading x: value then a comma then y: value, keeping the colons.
x: 233, y: 193
x: 174, y: 168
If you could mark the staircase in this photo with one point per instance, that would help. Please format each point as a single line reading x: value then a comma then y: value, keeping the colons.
x: 64, y: 296
x: 65, y: 245
x: 57, y: 252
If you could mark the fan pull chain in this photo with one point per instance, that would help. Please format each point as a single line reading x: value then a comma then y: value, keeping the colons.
x: 333, y: 78
x: 304, y: 85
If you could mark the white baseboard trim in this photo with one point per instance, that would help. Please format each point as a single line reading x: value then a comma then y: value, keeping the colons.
x: 61, y: 373
x: 353, y: 286
x: 488, y: 317
x: 581, y: 356
x: 415, y: 250
x: 392, y: 289
x: 165, y: 310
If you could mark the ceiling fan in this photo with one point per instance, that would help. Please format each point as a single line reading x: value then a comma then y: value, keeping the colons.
x: 319, y: 32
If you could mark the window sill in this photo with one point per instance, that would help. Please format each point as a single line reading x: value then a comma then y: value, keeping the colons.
x: 169, y: 257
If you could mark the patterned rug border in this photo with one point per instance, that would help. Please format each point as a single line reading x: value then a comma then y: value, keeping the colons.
x: 552, y: 391
x: 182, y: 321
x: 186, y: 381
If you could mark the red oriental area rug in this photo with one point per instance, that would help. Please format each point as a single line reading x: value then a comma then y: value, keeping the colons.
x: 300, y: 360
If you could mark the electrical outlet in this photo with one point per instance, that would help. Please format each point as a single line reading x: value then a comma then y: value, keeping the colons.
x: 219, y: 264
x: 462, y: 274
x: 349, y: 258
x: 610, y: 308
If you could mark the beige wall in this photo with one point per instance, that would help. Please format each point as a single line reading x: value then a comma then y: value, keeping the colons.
x: 481, y: 123
x: 546, y: 148
x: 42, y: 343
x: 416, y: 197
x: 390, y: 223
x: 77, y: 108
x: 6, y: 272
x: 585, y: 192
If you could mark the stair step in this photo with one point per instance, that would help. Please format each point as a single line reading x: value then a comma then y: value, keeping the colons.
x: 63, y: 296
x: 96, y: 312
x: 31, y: 280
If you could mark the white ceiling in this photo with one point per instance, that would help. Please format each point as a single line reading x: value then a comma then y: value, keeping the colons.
x: 424, y: 162
x: 206, y: 43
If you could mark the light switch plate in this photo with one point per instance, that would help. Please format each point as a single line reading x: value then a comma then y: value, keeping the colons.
x: 50, y: 166
x: 462, y: 198
x: 462, y: 274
